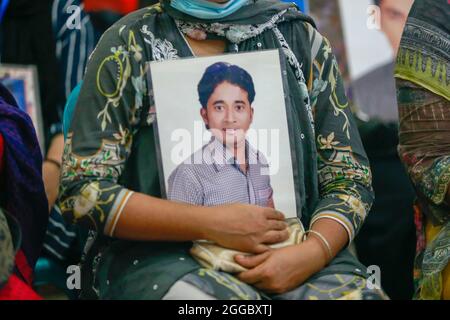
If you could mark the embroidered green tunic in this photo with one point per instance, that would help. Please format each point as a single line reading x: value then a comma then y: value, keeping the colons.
x: 110, y: 151
x: 423, y: 93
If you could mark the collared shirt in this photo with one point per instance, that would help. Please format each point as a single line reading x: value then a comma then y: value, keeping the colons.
x: 211, y: 177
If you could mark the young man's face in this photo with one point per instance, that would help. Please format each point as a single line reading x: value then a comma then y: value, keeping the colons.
x: 394, y: 14
x: 228, y: 114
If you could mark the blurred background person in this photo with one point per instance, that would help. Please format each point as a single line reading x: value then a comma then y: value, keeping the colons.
x: 105, y: 12
x: 57, y: 36
x: 423, y: 88
x: 374, y: 92
x: 75, y: 38
x: 27, y: 39
x: 387, y: 239
x: 23, y: 204
x: 77, y: 27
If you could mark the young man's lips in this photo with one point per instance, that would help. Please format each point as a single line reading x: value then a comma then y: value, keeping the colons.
x: 230, y: 130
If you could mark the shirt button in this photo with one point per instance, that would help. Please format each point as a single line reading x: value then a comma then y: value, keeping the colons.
x: 107, y: 282
x: 259, y: 44
x: 302, y: 136
x: 155, y: 287
x: 135, y: 262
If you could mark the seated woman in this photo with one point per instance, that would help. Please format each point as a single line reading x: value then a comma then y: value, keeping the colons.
x: 138, y: 248
x: 22, y: 196
x: 424, y: 139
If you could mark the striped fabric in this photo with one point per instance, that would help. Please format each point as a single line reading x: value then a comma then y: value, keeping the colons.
x: 211, y: 177
x: 60, y: 237
x: 74, y: 44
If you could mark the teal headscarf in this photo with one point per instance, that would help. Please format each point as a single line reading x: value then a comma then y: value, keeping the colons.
x: 255, y: 12
x: 69, y: 109
x: 204, y: 9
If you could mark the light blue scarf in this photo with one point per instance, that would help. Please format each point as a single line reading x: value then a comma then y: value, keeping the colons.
x: 204, y: 9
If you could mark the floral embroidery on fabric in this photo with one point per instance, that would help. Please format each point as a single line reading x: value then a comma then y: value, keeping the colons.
x: 293, y: 61
x: 234, y: 33
x: 120, y: 62
x: 161, y: 49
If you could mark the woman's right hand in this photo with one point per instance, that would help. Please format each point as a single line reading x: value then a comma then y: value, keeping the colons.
x: 246, y: 228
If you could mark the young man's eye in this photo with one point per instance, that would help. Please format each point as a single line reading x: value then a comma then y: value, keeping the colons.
x: 240, y: 107
x: 394, y: 14
x: 218, y: 108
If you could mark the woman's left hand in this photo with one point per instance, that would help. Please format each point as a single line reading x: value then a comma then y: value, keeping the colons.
x: 280, y: 270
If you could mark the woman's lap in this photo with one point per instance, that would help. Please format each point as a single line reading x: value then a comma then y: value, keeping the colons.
x: 223, y: 286
x: 182, y: 289
x: 344, y: 278
x: 135, y: 275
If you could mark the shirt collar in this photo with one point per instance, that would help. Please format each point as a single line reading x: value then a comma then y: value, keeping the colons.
x: 221, y: 156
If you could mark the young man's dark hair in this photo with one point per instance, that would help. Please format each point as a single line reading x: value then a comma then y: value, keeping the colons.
x: 224, y: 72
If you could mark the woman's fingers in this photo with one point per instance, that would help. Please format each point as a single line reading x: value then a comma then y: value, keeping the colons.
x: 251, y: 276
x: 273, y: 214
x: 273, y: 237
x: 250, y: 262
x: 260, y: 248
x: 263, y: 286
x: 277, y: 225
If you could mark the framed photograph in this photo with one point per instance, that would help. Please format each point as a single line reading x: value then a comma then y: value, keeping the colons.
x: 22, y: 82
x: 222, y: 131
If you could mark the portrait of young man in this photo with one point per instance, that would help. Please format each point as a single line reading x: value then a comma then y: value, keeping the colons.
x: 228, y: 169
x: 219, y: 137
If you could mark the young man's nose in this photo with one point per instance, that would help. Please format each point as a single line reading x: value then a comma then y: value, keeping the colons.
x: 229, y: 115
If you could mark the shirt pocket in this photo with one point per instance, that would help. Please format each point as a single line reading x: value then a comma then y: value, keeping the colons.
x: 263, y: 196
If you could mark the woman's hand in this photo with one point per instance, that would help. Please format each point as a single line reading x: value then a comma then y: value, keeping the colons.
x: 246, y: 228
x: 281, y: 270
x: 240, y: 227
x: 278, y: 271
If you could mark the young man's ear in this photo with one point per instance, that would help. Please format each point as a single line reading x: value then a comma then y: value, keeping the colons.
x: 204, y: 114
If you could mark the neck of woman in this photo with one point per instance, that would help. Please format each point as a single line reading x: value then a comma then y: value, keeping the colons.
x: 204, y: 48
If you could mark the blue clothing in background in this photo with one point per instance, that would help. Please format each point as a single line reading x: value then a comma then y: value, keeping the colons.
x: 75, y: 38
x: 3, y: 6
x: 302, y: 4
x: 70, y: 108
